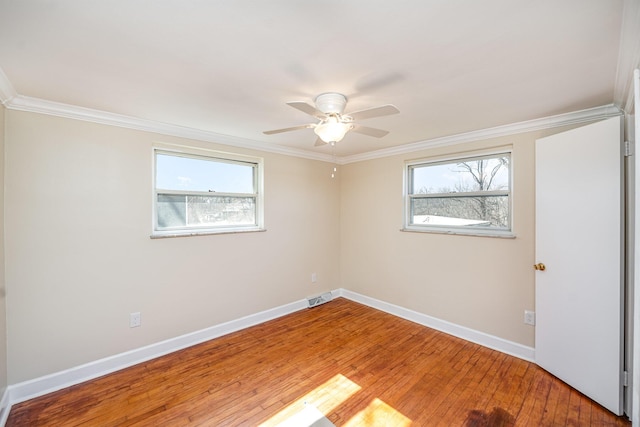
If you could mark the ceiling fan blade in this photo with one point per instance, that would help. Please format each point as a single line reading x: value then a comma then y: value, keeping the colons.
x: 307, y: 108
x: 376, y: 133
x: 384, y: 110
x: 271, y: 132
x: 319, y: 143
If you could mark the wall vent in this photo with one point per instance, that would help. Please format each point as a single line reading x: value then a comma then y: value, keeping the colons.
x: 320, y: 299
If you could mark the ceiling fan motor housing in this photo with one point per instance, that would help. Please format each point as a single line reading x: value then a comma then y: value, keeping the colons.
x: 331, y: 103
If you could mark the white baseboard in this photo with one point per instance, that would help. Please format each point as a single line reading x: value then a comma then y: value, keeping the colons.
x: 486, y: 340
x: 26, y: 390
x: 49, y: 383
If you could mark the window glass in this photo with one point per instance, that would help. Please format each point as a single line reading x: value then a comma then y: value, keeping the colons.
x: 461, y: 194
x: 202, y: 174
x: 197, y: 194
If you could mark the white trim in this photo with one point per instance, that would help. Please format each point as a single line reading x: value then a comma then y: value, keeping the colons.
x: 34, y: 105
x: 485, y: 340
x: 498, y: 234
x: 36, y: 387
x: 256, y: 163
x: 49, y: 383
x: 409, y: 195
x: 576, y: 117
x: 14, y: 101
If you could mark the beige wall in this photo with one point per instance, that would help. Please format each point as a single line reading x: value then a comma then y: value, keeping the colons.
x: 79, y: 258
x: 3, y: 310
x: 483, y: 283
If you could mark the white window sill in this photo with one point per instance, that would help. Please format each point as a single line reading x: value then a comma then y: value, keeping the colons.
x: 192, y: 233
x: 476, y: 233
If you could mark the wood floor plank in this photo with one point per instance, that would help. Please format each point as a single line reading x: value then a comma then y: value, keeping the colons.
x: 463, y: 400
x: 358, y: 365
x: 525, y: 388
x: 480, y: 398
x: 574, y: 408
x: 562, y: 407
x: 551, y: 404
x: 534, y: 406
x: 585, y: 411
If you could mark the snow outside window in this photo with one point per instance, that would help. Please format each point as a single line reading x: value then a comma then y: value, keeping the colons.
x: 470, y: 195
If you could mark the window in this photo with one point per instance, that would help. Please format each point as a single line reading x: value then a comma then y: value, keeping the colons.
x: 466, y: 195
x: 200, y: 192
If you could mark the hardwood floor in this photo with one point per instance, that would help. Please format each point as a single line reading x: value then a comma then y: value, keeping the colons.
x: 357, y: 365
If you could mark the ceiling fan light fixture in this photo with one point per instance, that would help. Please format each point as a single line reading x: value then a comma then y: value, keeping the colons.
x: 331, y: 103
x: 334, y: 122
x: 332, y: 130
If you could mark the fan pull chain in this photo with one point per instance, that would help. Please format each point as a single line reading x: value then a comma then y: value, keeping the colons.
x: 333, y: 153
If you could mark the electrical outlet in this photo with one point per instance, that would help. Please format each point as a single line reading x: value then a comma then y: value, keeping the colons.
x: 529, y: 317
x: 135, y: 320
x: 314, y: 277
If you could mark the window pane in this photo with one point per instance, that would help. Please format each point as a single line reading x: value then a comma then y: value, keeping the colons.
x: 186, y: 210
x: 488, y: 211
x: 171, y: 211
x: 481, y: 174
x: 198, y: 174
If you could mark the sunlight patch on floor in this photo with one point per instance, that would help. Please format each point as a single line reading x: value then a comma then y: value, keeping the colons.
x: 325, y: 397
x: 378, y: 413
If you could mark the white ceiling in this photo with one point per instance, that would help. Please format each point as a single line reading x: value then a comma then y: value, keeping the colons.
x: 229, y: 66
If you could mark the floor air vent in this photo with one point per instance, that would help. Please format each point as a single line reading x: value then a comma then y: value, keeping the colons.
x: 320, y: 299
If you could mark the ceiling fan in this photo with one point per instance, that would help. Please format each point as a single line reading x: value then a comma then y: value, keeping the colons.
x: 334, y: 124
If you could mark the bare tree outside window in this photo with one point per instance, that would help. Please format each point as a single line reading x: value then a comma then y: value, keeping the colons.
x: 465, y: 193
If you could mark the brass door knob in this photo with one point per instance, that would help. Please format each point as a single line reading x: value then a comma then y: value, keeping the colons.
x: 540, y: 267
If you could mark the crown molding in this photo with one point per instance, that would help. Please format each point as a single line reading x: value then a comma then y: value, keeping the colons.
x: 35, y: 105
x: 7, y: 92
x: 577, y: 117
x: 628, y: 55
x: 11, y: 100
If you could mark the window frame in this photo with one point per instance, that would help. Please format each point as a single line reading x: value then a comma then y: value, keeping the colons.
x: 216, y: 156
x: 408, y: 196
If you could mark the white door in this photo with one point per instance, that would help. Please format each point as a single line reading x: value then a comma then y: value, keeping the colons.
x: 579, y: 229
